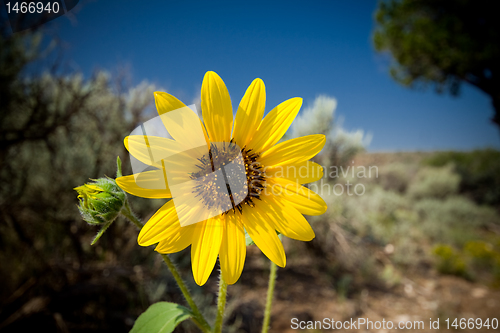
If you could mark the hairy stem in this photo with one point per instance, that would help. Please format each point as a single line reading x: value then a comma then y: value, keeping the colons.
x: 221, y: 304
x: 269, y: 301
x: 127, y: 212
x: 197, y: 316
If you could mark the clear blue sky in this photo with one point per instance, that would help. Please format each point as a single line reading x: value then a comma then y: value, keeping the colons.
x: 297, y: 48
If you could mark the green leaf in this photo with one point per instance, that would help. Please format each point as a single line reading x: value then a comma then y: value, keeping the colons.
x: 101, y: 232
x: 118, y: 167
x: 161, y: 317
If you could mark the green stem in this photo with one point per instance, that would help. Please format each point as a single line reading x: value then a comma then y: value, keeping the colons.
x: 127, y: 212
x: 198, y: 318
x: 221, y: 304
x: 269, y: 301
x: 101, y: 232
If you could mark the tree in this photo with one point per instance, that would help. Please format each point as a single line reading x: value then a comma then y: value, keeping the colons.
x: 442, y: 43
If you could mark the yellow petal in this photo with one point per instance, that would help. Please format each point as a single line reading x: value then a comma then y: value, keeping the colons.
x: 275, y: 124
x: 302, y: 172
x: 180, y: 167
x: 184, y: 133
x: 176, y: 159
x: 216, y: 108
x: 151, y: 150
x: 207, y: 238
x: 148, y: 184
x: 286, y: 219
x: 178, y: 240
x: 263, y: 234
x: 233, y: 249
x: 162, y: 225
x: 303, y: 199
x: 293, y: 151
x: 166, y: 102
x: 250, y: 112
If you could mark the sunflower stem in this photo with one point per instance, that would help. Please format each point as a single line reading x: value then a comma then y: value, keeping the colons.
x: 269, y: 301
x: 197, y: 318
x: 221, y: 304
x: 127, y: 212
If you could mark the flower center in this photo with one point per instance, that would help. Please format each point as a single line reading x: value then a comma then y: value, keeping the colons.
x: 242, y: 176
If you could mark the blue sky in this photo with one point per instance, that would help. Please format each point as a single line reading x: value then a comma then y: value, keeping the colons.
x: 297, y: 48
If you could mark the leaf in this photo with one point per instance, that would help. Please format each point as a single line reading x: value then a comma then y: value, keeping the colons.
x: 161, y: 317
x: 101, y: 232
x: 118, y: 167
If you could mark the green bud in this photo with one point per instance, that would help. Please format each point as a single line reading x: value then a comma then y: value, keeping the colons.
x: 100, y: 201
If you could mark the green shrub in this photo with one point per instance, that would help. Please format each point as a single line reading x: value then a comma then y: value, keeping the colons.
x: 396, y: 176
x: 477, y: 259
x: 479, y: 172
x: 448, y: 261
x: 455, y: 220
x: 485, y: 256
x: 341, y: 145
x: 430, y: 182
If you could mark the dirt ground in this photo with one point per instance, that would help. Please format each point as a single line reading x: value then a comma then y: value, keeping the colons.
x: 307, y: 294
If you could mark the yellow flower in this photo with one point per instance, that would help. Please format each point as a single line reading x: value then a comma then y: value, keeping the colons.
x: 273, y: 198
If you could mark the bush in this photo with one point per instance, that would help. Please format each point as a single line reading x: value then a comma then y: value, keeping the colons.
x: 449, y: 261
x: 341, y: 145
x: 478, y: 170
x: 430, y: 182
x: 484, y: 255
x: 455, y: 220
x: 477, y: 259
x: 396, y: 176
x: 385, y: 217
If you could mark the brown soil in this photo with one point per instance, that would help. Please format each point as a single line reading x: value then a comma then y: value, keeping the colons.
x: 305, y: 293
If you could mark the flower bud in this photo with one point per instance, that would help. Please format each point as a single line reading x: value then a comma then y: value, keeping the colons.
x: 100, y: 201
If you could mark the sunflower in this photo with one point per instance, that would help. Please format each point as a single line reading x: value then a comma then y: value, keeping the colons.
x: 271, y: 201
